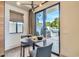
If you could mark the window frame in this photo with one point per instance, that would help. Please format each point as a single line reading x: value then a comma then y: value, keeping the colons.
x: 58, y: 3
x: 9, y: 27
x: 16, y: 26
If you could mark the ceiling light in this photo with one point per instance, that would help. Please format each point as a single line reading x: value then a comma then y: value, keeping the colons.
x: 18, y: 3
x: 32, y: 10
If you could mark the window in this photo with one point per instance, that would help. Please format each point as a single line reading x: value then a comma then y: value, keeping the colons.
x: 15, y: 27
x: 12, y: 27
x: 16, y: 22
x: 19, y: 27
x: 39, y: 23
x: 47, y: 23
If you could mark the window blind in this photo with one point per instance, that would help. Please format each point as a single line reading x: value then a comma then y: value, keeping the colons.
x: 16, y: 16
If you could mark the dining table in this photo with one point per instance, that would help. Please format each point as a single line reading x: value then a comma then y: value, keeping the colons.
x: 41, y: 43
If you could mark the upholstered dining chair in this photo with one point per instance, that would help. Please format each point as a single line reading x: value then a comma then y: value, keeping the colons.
x: 25, y: 44
x: 42, y: 51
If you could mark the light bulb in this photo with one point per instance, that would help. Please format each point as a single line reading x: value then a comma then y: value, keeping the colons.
x: 18, y: 3
x: 32, y: 10
x: 40, y: 5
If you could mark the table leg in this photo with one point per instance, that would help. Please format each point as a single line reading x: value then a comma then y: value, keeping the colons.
x: 33, y: 46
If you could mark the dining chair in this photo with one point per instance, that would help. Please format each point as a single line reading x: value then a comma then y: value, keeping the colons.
x: 25, y: 44
x: 42, y: 51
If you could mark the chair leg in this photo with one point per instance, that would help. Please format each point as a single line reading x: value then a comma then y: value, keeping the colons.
x: 23, y: 51
x: 20, y: 51
x: 29, y: 51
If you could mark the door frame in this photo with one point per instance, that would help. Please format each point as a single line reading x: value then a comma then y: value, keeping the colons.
x: 58, y: 3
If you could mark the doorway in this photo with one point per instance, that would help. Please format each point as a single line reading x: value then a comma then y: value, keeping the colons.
x: 47, y: 23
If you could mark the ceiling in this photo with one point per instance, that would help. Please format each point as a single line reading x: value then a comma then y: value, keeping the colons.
x: 23, y: 4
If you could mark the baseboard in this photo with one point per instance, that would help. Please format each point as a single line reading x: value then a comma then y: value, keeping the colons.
x: 55, y: 53
x: 62, y: 55
x: 12, y: 48
x: 2, y: 55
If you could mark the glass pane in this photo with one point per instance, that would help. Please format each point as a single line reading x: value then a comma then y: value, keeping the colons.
x: 52, y: 26
x: 39, y: 23
x: 19, y: 27
x: 12, y: 27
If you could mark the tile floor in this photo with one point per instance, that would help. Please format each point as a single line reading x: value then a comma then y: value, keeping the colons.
x: 16, y: 53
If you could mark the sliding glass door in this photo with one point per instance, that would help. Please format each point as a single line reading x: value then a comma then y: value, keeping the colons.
x: 52, y: 26
x: 39, y: 23
x: 47, y: 24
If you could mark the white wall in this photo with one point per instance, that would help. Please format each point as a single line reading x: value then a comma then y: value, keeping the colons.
x: 69, y: 21
x: 13, y: 40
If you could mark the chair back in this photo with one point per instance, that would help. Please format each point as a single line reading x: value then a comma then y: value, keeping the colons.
x: 44, y: 51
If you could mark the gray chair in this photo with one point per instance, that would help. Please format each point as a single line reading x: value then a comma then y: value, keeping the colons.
x: 42, y: 51
x: 24, y: 45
